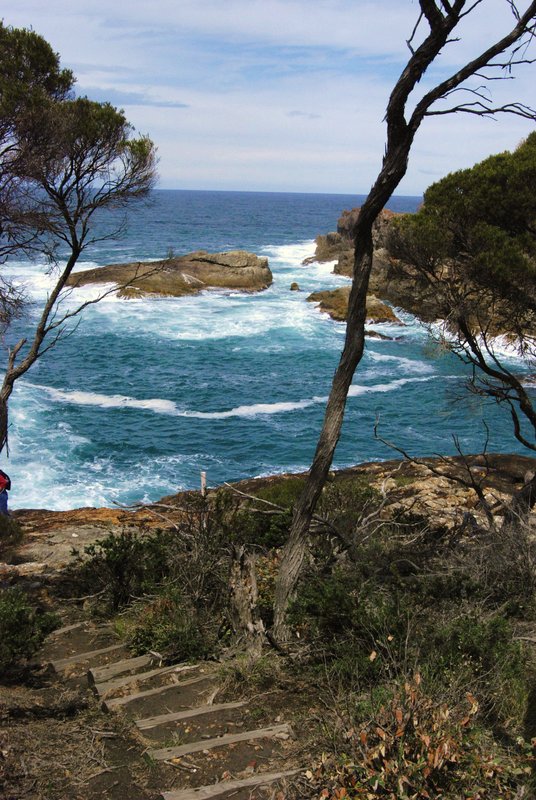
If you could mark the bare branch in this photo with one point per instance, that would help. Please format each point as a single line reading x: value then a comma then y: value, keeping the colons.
x: 482, y: 110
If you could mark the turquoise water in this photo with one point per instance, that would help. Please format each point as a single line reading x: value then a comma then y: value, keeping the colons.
x: 144, y: 394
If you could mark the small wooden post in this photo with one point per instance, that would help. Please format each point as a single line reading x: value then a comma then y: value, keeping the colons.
x: 203, y: 484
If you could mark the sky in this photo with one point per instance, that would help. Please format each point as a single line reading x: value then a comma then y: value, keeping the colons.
x: 274, y: 95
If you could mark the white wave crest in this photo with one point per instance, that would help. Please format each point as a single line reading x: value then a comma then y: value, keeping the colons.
x: 357, y: 391
x: 107, y: 401
x: 408, y: 364
x: 253, y: 410
x: 169, y: 407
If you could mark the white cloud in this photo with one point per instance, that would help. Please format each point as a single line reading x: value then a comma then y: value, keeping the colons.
x: 275, y: 94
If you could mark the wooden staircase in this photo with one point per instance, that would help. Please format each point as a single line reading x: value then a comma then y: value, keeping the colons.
x: 174, y: 713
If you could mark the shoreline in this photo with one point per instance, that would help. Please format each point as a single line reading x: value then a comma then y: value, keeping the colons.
x: 49, y: 537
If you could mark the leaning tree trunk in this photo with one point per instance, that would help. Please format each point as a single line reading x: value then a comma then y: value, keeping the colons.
x: 3, y: 423
x: 5, y: 394
x: 442, y: 19
x: 295, y: 549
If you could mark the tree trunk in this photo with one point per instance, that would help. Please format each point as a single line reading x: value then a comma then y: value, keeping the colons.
x: 442, y: 19
x: 244, y: 613
x: 295, y: 548
x: 3, y: 424
x: 5, y: 394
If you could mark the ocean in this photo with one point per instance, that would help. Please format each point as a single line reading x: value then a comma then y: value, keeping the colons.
x: 144, y: 394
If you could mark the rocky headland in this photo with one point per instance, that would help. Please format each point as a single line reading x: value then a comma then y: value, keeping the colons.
x: 182, y: 275
x: 398, y: 283
x: 403, y: 288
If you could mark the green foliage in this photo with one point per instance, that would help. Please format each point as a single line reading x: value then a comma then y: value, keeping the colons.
x: 29, y: 70
x: 481, y: 222
x: 267, y: 530
x: 169, y: 626
x: 283, y: 492
x: 341, y: 505
x: 125, y: 566
x: 381, y: 618
x: 246, y: 676
x: 343, y: 502
x: 22, y: 629
x: 175, y: 583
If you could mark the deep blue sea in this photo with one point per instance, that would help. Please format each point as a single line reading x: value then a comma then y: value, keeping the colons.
x: 144, y: 394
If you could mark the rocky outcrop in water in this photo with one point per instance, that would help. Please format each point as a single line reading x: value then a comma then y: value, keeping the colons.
x: 183, y: 275
x: 335, y: 303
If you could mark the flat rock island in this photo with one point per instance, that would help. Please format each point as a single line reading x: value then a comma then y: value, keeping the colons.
x: 182, y: 275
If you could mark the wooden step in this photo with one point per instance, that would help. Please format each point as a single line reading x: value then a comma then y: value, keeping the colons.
x: 118, y: 683
x: 61, y: 663
x: 121, y: 701
x: 154, y: 722
x: 103, y: 674
x: 221, y: 741
x: 217, y: 789
x: 66, y: 629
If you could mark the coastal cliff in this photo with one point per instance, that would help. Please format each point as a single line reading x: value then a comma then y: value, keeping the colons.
x: 402, y: 288
x: 397, y: 282
x: 182, y: 275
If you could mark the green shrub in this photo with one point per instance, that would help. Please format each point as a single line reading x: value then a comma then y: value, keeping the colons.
x: 360, y: 631
x: 125, y: 566
x: 22, y: 629
x: 343, y: 501
x: 365, y: 632
x: 270, y: 528
x: 482, y: 655
x: 168, y: 626
x: 283, y: 492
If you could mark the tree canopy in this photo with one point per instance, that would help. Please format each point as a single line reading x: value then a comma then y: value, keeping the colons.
x: 62, y: 159
x: 30, y: 78
x: 475, y: 239
x: 474, y: 243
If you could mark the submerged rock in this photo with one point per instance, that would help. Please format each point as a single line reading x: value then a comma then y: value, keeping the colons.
x: 335, y: 303
x: 183, y: 275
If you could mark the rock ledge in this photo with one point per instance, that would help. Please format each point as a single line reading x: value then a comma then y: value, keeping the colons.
x: 183, y: 275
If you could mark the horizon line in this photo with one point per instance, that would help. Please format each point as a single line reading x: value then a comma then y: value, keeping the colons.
x: 277, y: 191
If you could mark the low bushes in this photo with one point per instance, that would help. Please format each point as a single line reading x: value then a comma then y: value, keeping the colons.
x: 22, y: 630
x: 414, y: 748
x: 379, y: 602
